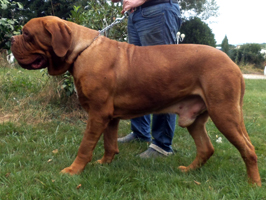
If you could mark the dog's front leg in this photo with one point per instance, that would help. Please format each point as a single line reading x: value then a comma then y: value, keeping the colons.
x: 94, y: 129
x: 110, y: 142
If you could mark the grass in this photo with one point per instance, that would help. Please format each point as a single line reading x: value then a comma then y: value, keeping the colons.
x: 40, y: 132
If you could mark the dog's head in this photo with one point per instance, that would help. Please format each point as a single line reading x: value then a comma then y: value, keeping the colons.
x: 44, y: 42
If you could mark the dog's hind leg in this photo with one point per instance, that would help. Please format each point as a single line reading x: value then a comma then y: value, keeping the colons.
x: 203, y: 144
x: 229, y: 120
x: 110, y: 142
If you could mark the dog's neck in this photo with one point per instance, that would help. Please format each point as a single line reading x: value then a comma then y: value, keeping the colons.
x: 95, y: 38
x: 81, y: 45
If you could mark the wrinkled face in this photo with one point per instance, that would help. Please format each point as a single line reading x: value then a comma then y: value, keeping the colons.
x: 30, y: 49
x: 44, y: 43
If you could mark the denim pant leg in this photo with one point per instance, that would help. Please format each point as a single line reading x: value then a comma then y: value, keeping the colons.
x: 148, y: 26
x: 163, y: 128
x: 141, y: 127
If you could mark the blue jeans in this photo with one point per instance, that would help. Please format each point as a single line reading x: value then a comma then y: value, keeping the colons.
x: 155, y: 25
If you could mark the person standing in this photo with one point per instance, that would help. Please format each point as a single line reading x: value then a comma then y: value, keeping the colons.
x: 152, y: 22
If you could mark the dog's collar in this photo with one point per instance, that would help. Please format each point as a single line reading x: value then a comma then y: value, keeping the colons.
x: 90, y: 43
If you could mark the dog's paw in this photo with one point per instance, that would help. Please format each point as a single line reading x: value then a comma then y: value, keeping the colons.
x: 103, y: 161
x: 99, y: 162
x: 183, y: 168
x: 70, y: 171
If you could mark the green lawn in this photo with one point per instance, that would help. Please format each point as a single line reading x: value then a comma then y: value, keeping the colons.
x: 40, y: 132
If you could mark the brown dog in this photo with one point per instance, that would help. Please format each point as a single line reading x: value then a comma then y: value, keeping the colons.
x: 117, y: 81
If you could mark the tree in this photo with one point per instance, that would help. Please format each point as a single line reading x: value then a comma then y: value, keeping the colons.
x: 225, y: 45
x: 39, y: 8
x: 13, y: 15
x: 197, y: 32
x: 61, y: 8
x: 248, y: 54
x: 203, y: 9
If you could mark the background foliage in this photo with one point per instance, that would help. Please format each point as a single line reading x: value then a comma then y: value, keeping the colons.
x: 95, y: 14
x: 9, y: 25
x: 248, y: 53
x: 197, y: 32
x: 203, y: 9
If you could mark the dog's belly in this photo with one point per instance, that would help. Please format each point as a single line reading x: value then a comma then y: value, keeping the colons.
x: 188, y: 109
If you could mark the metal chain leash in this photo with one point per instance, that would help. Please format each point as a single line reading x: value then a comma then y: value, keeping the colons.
x: 117, y: 21
x: 101, y: 32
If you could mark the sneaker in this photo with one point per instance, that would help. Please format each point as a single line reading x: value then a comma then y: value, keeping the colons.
x: 150, y: 153
x: 128, y: 138
x: 154, y: 151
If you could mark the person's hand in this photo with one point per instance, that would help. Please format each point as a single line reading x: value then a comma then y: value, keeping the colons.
x: 129, y: 5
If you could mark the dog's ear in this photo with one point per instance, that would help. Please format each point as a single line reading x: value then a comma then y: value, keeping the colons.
x: 61, y: 36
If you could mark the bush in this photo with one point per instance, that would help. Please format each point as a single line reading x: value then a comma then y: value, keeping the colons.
x: 97, y: 16
x: 248, y: 54
x: 8, y: 27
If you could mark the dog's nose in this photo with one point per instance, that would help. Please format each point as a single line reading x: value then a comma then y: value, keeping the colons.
x: 12, y: 40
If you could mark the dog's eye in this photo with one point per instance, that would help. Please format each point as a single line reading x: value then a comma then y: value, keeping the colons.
x: 26, y: 35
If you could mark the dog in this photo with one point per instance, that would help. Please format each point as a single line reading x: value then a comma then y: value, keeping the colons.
x: 117, y: 80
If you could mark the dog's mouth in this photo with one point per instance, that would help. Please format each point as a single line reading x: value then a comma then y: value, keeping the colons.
x: 38, y: 63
